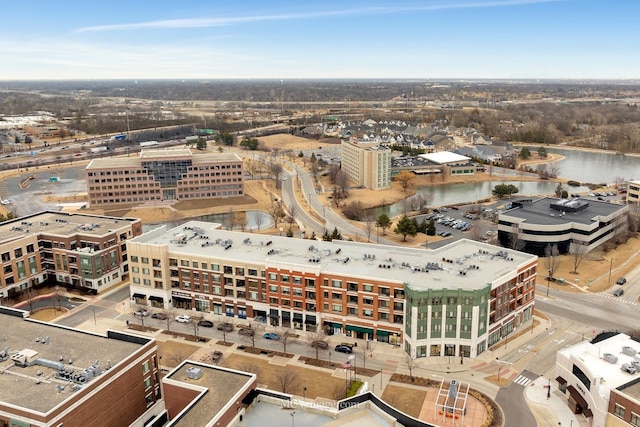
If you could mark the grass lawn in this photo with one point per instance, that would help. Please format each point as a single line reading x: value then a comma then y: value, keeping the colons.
x: 405, y: 399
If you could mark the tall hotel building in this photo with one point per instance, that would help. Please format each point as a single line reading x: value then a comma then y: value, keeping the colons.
x: 367, y: 164
x: 455, y: 300
x: 80, y: 251
x: 164, y: 175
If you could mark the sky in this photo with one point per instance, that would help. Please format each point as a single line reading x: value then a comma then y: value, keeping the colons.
x: 319, y: 39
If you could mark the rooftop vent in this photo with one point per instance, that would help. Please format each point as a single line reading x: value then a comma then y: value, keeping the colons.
x: 629, y: 351
x: 611, y: 358
x: 194, y: 373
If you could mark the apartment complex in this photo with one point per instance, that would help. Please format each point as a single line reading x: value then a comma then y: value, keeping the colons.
x: 582, y: 224
x: 55, y: 376
x: 367, y: 164
x: 80, y: 251
x: 601, y: 379
x: 163, y: 175
x: 454, y: 300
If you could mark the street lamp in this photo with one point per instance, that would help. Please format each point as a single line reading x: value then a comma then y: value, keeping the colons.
x: 610, y: 265
x: 293, y: 420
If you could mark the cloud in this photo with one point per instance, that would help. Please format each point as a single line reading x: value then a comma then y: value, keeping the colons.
x: 235, y: 20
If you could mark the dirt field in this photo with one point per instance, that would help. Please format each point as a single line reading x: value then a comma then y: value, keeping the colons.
x: 319, y: 383
x: 290, y: 142
x: 172, y: 353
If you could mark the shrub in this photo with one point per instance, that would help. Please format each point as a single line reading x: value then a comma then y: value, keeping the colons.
x: 574, y: 183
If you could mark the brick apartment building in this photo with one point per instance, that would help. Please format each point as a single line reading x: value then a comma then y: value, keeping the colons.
x: 58, y: 376
x: 81, y: 251
x: 455, y: 300
x: 163, y: 175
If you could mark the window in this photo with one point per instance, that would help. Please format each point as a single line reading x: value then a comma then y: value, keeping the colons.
x: 145, y: 260
x: 336, y: 307
x: 184, y: 262
x: 134, y: 258
x: 273, y: 288
x: 367, y: 288
x: 145, y: 367
x: 195, y: 264
x: 619, y: 411
x: 285, y: 290
x: 284, y: 278
x: 18, y: 252
x: 635, y: 419
x: 336, y: 283
x: 253, y: 272
x: 273, y: 276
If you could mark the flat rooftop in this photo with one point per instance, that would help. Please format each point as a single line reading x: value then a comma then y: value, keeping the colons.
x: 219, y: 386
x: 78, y: 350
x: 442, y: 157
x: 592, y: 355
x: 161, y: 154
x: 422, y: 269
x: 539, y: 211
x: 60, y: 223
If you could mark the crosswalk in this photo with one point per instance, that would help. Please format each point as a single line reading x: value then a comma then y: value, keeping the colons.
x: 610, y: 296
x: 522, y: 380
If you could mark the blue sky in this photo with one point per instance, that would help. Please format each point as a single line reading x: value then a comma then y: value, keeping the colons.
x: 446, y: 39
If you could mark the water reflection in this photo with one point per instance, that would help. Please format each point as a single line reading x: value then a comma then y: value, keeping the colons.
x: 254, y: 220
x: 470, y: 192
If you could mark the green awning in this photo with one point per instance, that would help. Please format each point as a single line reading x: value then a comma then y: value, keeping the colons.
x: 359, y: 329
x: 333, y: 324
x: 383, y: 333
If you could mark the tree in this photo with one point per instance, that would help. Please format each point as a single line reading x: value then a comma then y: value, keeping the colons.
x: 286, y: 336
x: 141, y: 312
x: 525, y: 153
x: 411, y: 364
x: 369, y: 222
x: 578, y: 251
x: 319, y: 342
x: 502, y: 190
x: 335, y: 235
x: 405, y: 178
x: 542, y: 152
x: 201, y: 144
x: 354, y: 210
x: 286, y: 379
x: 258, y: 220
x: 342, y: 181
x: 171, y: 314
x: 195, y: 324
x: 552, y: 259
x: 431, y: 228
x: 560, y: 191
x: 383, y: 222
x: 225, y: 138
x: 250, y: 334
x: 250, y: 143
x: 406, y: 227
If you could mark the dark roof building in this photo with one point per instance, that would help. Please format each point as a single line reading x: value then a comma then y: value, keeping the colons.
x: 578, y: 222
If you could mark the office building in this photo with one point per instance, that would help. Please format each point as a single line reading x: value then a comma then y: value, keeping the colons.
x: 581, y: 224
x: 56, y: 376
x: 172, y: 174
x: 80, y: 251
x: 633, y: 192
x: 367, y: 164
x: 600, y: 379
x: 455, y: 300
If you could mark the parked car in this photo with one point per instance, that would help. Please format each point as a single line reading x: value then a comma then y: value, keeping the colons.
x: 159, y: 316
x: 621, y: 281
x: 205, y: 323
x: 618, y: 292
x: 226, y: 326
x: 320, y: 344
x: 247, y: 332
x: 141, y: 313
x: 271, y: 336
x: 183, y: 318
x: 342, y: 348
x: 261, y: 319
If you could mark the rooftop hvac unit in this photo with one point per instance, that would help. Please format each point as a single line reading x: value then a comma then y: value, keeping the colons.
x: 629, y: 351
x: 611, y: 358
x: 194, y: 373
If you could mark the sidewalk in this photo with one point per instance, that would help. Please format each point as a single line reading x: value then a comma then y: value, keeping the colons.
x: 552, y: 411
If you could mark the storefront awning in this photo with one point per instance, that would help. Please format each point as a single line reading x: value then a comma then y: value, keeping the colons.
x: 359, y: 329
x: 575, y: 395
x: 333, y: 324
x: 381, y: 333
x: 561, y: 380
x: 156, y: 299
x: 138, y: 296
x: 182, y: 298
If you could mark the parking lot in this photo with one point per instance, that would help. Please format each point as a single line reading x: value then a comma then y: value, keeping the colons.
x: 460, y: 222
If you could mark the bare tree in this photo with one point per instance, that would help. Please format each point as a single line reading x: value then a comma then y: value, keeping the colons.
x: 59, y: 294
x: 251, y: 368
x: 476, y: 232
x: 515, y: 242
x: 369, y: 223
x: 342, y: 181
x: 195, y: 324
x: 276, y: 211
x: 552, y: 259
x: 141, y: 312
x: 29, y: 295
x: 319, y: 342
x: 241, y: 220
x: 286, y: 336
x: 225, y: 328
x: 554, y: 170
x: 339, y: 391
x: 364, y: 354
x: 578, y: 251
x: 259, y: 220
x: 410, y: 363
x: 250, y: 333
x: 286, y: 379
x: 171, y: 314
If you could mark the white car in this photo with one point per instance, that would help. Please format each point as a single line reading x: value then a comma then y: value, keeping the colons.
x: 5, y: 202
x: 183, y: 318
